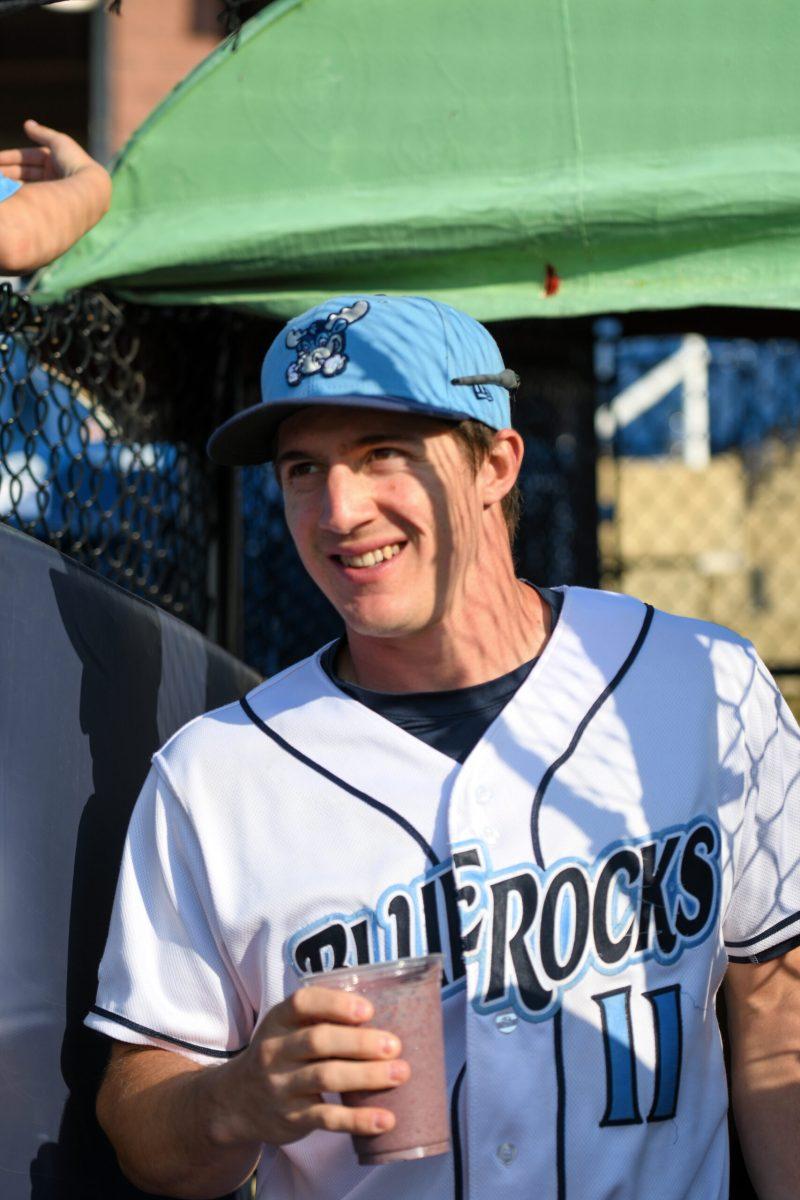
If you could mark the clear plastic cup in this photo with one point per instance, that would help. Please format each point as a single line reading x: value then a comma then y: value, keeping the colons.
x: 406, y: 996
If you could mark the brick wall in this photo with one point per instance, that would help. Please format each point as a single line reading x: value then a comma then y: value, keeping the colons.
x: 150, y: 48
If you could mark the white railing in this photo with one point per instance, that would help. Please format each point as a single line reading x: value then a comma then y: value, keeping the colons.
x: 688, y: 368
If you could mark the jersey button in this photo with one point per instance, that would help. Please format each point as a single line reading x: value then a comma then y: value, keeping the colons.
x: 484, y: 794
x: 506, y: 1152
x: 490, y: 835
x: 506, y: 1022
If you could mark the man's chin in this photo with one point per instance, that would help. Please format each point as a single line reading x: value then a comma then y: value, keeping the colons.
x: 379, y: 624
x: 375, y: 629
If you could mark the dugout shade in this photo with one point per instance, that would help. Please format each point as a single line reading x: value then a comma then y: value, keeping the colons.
x: 515, y: 159
x: 94, y: 680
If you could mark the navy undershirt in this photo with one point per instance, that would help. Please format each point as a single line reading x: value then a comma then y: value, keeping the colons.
x: 452, y: 722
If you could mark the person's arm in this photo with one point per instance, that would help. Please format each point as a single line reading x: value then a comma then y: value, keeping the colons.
x: 64, y: 193
x: 763, y: 1006
x: 197, y: 1132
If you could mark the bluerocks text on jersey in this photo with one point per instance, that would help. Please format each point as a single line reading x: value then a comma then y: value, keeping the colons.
x: 531, y: 933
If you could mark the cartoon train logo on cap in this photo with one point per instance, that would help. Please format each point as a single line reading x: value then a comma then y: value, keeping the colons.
x: 320, y: 347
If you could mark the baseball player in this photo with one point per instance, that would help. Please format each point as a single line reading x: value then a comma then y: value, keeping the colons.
x: 591, y: 808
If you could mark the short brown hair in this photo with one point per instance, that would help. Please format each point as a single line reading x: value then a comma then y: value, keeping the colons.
x: 476, y: 440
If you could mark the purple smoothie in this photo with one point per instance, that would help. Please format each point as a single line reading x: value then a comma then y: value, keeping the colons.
x: 407, y: 1000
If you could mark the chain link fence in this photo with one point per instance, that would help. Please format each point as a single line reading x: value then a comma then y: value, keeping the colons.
x: 104, y: 412
x: 699, y: 442
x: 660, y: 465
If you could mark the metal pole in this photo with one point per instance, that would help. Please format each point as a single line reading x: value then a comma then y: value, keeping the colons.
x: 99, y: 91
x: 229, y: 592
x: 696, y: 420
x: 228, y: 549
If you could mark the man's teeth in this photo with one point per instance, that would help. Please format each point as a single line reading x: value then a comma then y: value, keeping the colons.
x: 371, y: 557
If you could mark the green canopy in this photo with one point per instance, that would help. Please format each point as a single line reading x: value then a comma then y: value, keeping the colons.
x: 514, y: 157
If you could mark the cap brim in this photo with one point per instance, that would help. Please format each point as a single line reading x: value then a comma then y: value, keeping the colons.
x: 248, y: 438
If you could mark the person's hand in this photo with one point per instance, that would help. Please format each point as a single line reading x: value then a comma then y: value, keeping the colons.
x: 307, y: 1045
x: 71, y: 193
x: 56, y: 156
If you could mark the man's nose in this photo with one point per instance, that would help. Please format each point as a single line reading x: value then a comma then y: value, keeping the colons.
x: 347, y: 502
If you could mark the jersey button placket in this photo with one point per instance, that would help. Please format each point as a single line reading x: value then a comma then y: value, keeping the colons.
x: 506, y: 1153
x: 506, y: 1021
x: 483, y: 796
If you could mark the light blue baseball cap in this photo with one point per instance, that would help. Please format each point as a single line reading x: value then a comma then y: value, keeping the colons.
x: 402, y: 353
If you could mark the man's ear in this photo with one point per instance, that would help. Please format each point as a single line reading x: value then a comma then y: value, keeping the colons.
x: 499, y: 470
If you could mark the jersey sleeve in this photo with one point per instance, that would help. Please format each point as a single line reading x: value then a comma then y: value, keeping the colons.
x: 165, y: 978
x: 762, y: 920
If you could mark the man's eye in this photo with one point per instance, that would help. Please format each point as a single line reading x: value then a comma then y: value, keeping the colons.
x: 381, y: 452
x: 300, y: 470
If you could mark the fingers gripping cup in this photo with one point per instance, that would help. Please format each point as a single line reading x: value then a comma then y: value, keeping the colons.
x: 406, y: 997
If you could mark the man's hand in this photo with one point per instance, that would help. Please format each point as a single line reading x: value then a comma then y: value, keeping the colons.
x: 308, y: 1045
x: 193, y: 1131
x: 55, y: 157
x: 65, y: 193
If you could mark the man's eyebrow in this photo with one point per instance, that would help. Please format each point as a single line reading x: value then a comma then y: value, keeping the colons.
x: 290, y: 456
x: 366, y: 439
x: 369, y: 439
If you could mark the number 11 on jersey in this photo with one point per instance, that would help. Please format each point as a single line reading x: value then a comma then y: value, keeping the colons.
x: 622, y: 1098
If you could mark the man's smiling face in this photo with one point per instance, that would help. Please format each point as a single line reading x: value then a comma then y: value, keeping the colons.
x: 385, y: 512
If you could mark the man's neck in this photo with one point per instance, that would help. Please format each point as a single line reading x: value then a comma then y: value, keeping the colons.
x: 484, y: 638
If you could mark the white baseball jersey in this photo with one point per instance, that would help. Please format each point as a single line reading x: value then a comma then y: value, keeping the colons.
x: 628, y: 824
